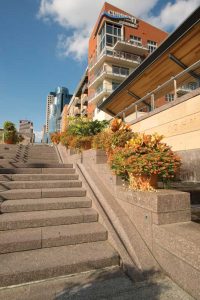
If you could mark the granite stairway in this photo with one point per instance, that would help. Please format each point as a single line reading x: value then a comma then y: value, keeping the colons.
x: 52, y: 246
x: 48, y: 227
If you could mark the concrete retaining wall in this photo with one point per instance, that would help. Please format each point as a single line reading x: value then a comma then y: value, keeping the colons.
x: 154, y: 228
x: 177, y: 121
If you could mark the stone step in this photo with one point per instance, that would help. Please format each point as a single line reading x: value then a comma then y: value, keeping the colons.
x: 42, y: 161
x: 8, y: 155
x: 68, y: 170
x: 9, y: 185
x: 44, y: 204
x: 42, y: 155
x: 11, y: 221
x: 52, y: 236
x: 8, y: 161
x: 14, y: 164
x: 42, y: 193
x: 37, y: 177
x: 38, y: 264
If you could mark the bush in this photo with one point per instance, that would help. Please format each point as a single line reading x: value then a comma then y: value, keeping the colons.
x: 9, y: 126
x: 85, y: 127
x: 116, y: 135
x: 10, y: 133
x: 145, y: 155
x: 55, y: 137
x: 82, y: 142
x: 103, y: 140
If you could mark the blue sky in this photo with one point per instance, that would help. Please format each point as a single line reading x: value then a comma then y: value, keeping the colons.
x: 44, y: 45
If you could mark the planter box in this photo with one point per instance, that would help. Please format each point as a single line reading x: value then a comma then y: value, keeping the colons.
x: 97, y: 156
x: 162, y: 206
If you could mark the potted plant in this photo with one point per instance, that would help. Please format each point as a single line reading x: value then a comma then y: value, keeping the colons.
x: 143, y: 159
x: 10, y: 133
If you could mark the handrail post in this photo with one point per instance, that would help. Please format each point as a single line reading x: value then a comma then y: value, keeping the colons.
x: 136, y: 111
x: 123, y: 116
x: 175, y: 89
x: 152, y: 102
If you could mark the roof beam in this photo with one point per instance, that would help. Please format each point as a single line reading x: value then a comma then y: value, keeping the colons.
x: 183, y: 66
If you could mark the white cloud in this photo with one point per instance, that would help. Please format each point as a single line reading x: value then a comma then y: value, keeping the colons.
x: 173, y: 14
x: 80, y: 16
x: 38, y: 136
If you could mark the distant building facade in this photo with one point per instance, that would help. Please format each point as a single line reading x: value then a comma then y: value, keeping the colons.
x: 79, y: 101
x: 26, y: 131
x: 50, y: 100
x: 64, y: 118
x: 55, y: 103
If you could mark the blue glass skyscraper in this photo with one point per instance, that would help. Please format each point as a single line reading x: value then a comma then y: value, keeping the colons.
x: 61, y: 98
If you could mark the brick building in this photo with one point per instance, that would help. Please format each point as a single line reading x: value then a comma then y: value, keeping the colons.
x: 118, y: 44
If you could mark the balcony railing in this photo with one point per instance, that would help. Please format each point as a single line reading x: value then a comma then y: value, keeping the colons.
x: 100, y: 91
x: 133, y: 42
x: 106, y: 72
x: 116, y: 54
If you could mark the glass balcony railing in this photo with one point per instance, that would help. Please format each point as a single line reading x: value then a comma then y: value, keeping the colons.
x: 133, y: 42
x: 105, y: 71
x: 101, y: 90
x: 118, y: 55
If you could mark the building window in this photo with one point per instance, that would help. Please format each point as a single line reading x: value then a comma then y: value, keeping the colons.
x: 109, y: 35
x: 115, y: 85
x: 136, y: 40
x: 120, y: 70
x: 169, y: 97
x: 151, y: 46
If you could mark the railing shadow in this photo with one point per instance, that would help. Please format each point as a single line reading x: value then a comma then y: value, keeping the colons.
x: 112, y: 285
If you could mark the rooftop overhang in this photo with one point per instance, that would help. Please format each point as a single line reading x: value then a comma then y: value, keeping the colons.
x: 183, y: 44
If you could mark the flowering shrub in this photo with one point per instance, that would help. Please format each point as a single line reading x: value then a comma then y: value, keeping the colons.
x: 55, y: 137
x: 144, y: 155
x: 85, y: 127
x: 116, y: 135
x: 81, y: 142
x: 118, y: 124
x: 80, y: 132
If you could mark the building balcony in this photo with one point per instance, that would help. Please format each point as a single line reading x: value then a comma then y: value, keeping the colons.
x: 77, y: 102
x: 116, y: 57
x: 77, y: 112
x: 99, y: 94
x: 134, y: 47
x: 85, y: 101
x: 105, y: 74
x: 85, y: 88
x: 84, y: 112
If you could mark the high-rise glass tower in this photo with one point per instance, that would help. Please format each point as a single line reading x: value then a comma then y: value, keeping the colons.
x: 61, y: 97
